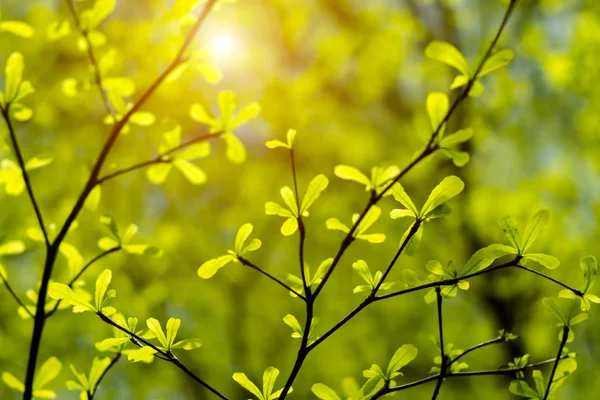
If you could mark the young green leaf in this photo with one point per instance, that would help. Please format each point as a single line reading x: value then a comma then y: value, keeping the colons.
x: 402, y: 357
x: 210, y: 267
x: 444, y: 191
x: 437, y: 108
x: 324, y: 392
x: 448, y: 54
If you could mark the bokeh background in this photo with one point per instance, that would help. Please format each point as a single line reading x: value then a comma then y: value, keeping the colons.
x: 352, y: 78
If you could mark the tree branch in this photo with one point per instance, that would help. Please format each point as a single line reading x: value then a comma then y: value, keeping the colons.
x: 563, y: 342
x: 40, y: 317
x: 21, y: 161
x: 499, y: 339
x: 170, y: 357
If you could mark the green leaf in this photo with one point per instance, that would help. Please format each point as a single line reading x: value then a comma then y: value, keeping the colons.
x: 289, y: 199
x: 173, y: 325
x: 157, y: 330
x: 273, y: 144
x: 247, y: 384
x: 194, y: 152
x: 335, y: 224
x: 12, y: 382
x: 509, y: 226
x: 289, y: 227
x: 247, y: 113
x: 142, y: 118
x: 272, y: 208
x: 210, y: 267
x: 400, y: 196
x: 187, y: 344
x: 521, y: 388
x: 324, y: 392
x: 402, y: 357
x: 314, y: 190
x: 459, y: 158
x: 362, y: 269
x: 242, y: 235
x: 13, y: 76
x: 457, y: 137
x: 236, y: 152
x: 101, y: 287
x: 415, y: 241
x: 565, y: 368
x: 47, y: 373
x: 554, y: 310
x: 200, y: 114
x: 400, y: 213
x: 60, y: 291
x: 496, y: 61
x: 193, y: 174
x: 352, y: 174
x: 589, y: 266
x: 444, y: 191
x: 12, y: 247
x: 437, y: 108
x: 269, y: 377
x: 93, y: 200
x: 483, y: 258
x: 111, y: 224
x: 158, y: 173
x: 99, y: 365
x: 448, y: 54
x: 18, y: 28
x: 369, y: 219
x: 93, y: 17
x: 293, y: 323
x: 537, y: 224
x: 545, y: 260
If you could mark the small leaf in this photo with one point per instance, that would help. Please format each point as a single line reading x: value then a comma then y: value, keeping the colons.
x: 448, y: 54
x: 193, y: 174
x: 235, y: 149
x: 101, y: 287
x: 457, y: 137
x: 210, y: 267
x: 158, y: 173
x: 12, y: 382
x: 509, y: 226
x: 314, y: 190
x: 402, y: 357
x: 590, y: 269
x: 247, y: 384
x: 352, y: 174
x: 437, y: 108
x: 496, y: 61
x: 534, y: 228
x: 545, y: 260
x: 187, y: 344
x: 157, y: 330
x: 335, y: 224
x: 242, y: 235
x: 553, y: 308
x: 17, y: 28
x: 414, y: 242
x: 444, y: 191
x: 173, y: 325
x: 400, y: 196
x: 47, y: 373
x: 289, y: 227
x: 13, y: 76
x: 324, y: 392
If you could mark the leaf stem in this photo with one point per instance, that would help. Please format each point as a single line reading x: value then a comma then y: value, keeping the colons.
x: 575, y: 291
x: 248, y: 263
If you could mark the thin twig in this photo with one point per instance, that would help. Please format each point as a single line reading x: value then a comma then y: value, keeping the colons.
x: 248, y: 263
x: 21, y: 161
x: 501, y: 371
x: 161, y: 158
x: 575, y: 291
x: 113, y: 361
x: 81, y: 271
x: 442, y: 374
x: 92, y: 57
x: 168, y: 355
x: 499, y: 339
x: 14, y: 294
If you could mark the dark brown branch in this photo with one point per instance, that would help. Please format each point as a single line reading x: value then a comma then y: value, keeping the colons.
x: 21, y: 161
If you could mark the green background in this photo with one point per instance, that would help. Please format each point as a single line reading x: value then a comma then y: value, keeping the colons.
x: 352, y: 78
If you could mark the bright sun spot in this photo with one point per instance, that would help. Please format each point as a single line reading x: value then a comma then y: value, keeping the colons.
x: 223, y: 46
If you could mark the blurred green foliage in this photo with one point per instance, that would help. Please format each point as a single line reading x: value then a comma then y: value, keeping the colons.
x: 351, y: 77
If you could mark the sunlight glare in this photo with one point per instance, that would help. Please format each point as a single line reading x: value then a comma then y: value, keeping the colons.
x: 223, y: 46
